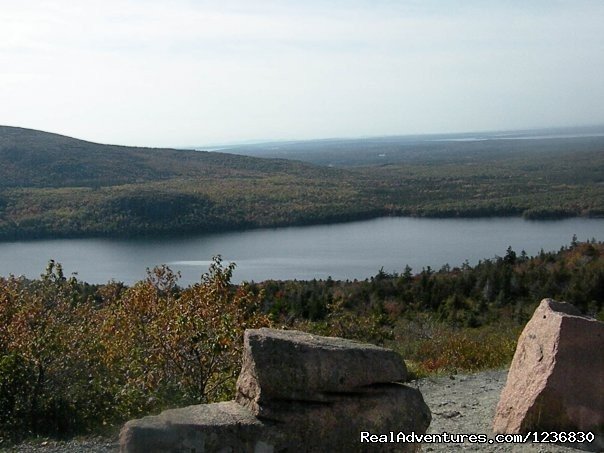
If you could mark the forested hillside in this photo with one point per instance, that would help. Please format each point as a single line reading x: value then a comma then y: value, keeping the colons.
x: 31, y: 158
x: 56, y: 186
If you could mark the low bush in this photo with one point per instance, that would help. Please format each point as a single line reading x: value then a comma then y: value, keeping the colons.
x: 72, y: 363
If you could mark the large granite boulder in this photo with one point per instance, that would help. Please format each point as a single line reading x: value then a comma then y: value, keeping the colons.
x: 327, y: 390
x: 556, y: 380
x: 287, y: 365
x: 296, y: 392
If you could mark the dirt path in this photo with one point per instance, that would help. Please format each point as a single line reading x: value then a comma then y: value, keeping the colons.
x: 466, y: 404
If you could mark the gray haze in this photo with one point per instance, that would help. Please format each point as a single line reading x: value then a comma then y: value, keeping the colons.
x: 182, y: 72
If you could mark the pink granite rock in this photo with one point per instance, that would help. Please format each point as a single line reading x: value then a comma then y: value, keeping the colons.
x: 556, y: 380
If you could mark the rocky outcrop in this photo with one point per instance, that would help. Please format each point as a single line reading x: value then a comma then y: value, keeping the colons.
x: 296, y: 392
x: 556, y: 380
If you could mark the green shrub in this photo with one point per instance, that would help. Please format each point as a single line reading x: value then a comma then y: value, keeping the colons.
x: 465, y: 350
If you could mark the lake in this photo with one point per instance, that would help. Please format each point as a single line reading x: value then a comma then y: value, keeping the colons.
x: 342, y: 251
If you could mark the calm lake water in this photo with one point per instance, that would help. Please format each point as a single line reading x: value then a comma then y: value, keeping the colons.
x: 342, y: 251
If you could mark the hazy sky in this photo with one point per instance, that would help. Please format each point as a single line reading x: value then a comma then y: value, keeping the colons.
x: 178, y: 72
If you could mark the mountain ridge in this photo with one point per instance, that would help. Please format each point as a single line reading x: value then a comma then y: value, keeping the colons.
x: 31, y: 158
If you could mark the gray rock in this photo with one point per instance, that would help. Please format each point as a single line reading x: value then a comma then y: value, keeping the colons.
x: 380, y: 409
x: 203, y: 428
x: 304, y: 427
x: 297, y: 366
x: 298, y: 392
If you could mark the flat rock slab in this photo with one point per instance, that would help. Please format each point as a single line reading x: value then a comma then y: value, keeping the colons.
x: 203, y: 428
x: 556, y: 380
x: 291, y: 365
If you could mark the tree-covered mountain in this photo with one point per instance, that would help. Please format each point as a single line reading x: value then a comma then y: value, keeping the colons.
x: 56, y: 186
x: 30, y: 158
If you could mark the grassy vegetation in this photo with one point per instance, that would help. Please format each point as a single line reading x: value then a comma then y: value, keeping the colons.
x: 54, y: 186
x: 76, y: 358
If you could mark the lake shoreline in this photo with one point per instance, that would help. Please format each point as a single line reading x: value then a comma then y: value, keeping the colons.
x: 176, y: 234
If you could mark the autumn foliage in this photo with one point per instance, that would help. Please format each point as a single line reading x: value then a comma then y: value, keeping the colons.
x: 71, y: 362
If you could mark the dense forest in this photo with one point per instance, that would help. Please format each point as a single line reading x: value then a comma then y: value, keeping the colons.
x: 55, y: 186
x: 78, y: 358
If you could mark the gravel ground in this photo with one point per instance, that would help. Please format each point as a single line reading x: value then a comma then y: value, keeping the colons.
x: 78, y: 445
x: 466, y: 404
x: 459, y: 404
